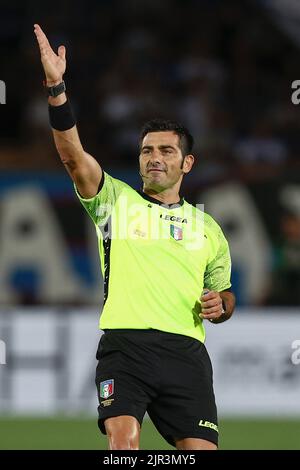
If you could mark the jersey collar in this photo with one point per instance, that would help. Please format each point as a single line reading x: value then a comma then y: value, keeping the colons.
x: 155, y: 201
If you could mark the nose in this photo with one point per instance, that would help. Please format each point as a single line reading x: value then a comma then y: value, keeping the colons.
x: 156, y: 157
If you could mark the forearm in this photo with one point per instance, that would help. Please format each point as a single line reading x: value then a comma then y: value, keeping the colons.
x: 228, y: 300
x: 82, y: 167
x: 67, y: 141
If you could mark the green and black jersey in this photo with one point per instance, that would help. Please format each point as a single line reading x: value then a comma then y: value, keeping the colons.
x: 156, y: 259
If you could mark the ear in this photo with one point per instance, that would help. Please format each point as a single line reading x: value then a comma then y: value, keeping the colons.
x: 188, y: 162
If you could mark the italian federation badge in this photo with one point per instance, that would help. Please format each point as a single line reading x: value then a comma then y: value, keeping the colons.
x: 106, y: 388
x: 176, y: 232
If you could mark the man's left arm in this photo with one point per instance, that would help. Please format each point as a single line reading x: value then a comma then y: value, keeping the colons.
x: 217, y: 300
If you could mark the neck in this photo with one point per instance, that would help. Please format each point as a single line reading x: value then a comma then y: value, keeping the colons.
x: 167, y: 196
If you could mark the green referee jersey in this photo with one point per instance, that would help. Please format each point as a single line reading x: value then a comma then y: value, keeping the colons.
x: 156, y: 259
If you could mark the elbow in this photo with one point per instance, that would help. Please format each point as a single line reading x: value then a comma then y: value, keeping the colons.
x: 68, y: 161
x: 70, y: 157
x: 70, y: 153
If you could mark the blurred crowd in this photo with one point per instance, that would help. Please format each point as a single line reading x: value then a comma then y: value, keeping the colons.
x: 222, y: 68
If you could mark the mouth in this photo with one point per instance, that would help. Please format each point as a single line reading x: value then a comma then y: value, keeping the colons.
x: 155, y: 169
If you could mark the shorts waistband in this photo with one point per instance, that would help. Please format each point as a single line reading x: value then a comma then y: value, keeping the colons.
x: 150, y: 332
x: 135, y: 330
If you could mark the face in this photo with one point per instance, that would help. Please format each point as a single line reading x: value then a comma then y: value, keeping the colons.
x: 161, y: 160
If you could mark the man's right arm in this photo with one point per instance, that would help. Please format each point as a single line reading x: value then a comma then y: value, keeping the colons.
x: 84, y: 170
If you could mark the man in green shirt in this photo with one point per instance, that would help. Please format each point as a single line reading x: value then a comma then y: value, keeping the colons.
x: 166, y: 267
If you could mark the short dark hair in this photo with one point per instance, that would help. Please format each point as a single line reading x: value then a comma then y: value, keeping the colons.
x: 162, y: 125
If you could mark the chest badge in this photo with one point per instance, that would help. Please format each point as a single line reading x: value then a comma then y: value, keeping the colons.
x: 176, y: 232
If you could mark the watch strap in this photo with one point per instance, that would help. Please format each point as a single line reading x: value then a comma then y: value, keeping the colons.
x: 57, y: 89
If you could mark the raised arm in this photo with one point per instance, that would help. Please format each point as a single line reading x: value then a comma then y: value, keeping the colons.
x: 84, y: 170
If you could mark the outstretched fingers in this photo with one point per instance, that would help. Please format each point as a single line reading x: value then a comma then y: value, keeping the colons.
x: 42, y: 39
x: 40, y: 35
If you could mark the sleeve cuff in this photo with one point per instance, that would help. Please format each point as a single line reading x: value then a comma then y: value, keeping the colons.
x: 91, y: 198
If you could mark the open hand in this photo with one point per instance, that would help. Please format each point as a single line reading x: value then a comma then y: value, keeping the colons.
x: 54, y: 64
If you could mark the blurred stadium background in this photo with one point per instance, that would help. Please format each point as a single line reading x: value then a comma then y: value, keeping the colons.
x: 225, y: 69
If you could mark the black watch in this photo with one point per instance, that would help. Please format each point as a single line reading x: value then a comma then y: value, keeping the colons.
x: 57, y: 89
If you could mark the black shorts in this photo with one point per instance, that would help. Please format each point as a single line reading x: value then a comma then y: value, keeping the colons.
x: 165, y: 374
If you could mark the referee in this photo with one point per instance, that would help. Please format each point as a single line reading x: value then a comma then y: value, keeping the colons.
x: 166, y: 267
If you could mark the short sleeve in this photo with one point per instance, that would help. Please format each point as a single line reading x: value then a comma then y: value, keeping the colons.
x: 218, y: 271
x: 100, y: 206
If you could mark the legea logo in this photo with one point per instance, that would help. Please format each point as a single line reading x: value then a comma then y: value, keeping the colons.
x: 2, y: 92
x: 2, y: 353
